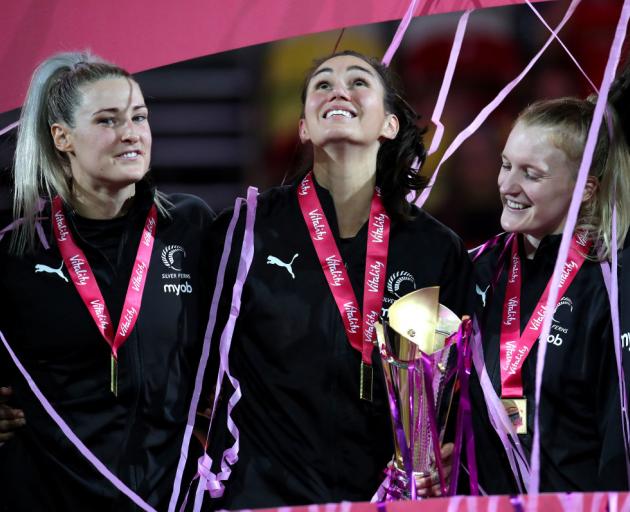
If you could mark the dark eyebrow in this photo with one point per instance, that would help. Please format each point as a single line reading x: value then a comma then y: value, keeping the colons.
x: 349, y: 68
x: 114, y: 110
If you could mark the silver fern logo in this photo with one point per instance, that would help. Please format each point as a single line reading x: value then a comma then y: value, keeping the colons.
x: 396, y: 281
x: 172, y: 257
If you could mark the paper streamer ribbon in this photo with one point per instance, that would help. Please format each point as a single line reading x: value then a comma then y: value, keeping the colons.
x: 38, y: 225
x: 498, y: 417
x: 574, y: 208
x: 400, y: 32
x: 207, y: 342
x: 569, y: 54
x: 487, y: 110
x: 214, y: 483
x: 67, y: 431
x: 446, y: 82
x: 8, y: 128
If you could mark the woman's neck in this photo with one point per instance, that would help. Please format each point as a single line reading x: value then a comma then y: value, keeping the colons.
x: 350, y: 179
x: 102, y: 203
x: 530, y: 244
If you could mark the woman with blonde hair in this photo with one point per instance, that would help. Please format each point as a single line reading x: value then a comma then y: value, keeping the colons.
x: 580, y: 421
x: 108, y: 296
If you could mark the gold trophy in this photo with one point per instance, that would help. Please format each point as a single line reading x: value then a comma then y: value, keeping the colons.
x: 419, y: 352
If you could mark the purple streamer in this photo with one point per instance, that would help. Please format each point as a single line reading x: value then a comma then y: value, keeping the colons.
x: 84, y: 450
x: 414, y: 381
x: 446, y: 82
x: 428, y: 378
x: 517, y: 503
x: 574, y: 208
x: 230, y: 455
x: 486, y: 111
x: 498, y: 417
x: 469, y: 437
x: 207, y: 341
x: 400, y: 32
x: 464, y: 433
x: 9, y: 127
x: 463, y: 402
x: 38, y: 225
x: 570, y: 55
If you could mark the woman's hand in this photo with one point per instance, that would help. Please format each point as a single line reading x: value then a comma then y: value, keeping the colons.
x: 10, y: 419
x: 430, y: 485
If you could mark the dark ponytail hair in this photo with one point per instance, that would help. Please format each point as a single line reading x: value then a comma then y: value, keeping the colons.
x: 394, y: 173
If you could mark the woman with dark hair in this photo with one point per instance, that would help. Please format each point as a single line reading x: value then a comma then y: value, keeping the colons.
x: 581, y: 445
x: 331, y: 253
x: 92, y: 275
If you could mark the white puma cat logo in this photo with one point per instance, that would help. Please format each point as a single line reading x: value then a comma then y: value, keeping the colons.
x: 482, y: 293
x: 272, y: 260
x: 45, y: 268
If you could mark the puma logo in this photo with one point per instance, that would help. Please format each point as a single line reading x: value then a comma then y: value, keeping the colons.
x: 482, y: 293
x: 272, y: 260
x: 45, y: 268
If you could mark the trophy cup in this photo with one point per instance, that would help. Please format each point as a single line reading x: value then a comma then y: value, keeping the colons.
x: 421, y: 345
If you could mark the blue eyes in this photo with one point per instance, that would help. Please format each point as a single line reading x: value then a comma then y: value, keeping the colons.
x: 113, y: 121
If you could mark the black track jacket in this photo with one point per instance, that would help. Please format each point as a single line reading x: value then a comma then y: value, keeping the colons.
x: 581, y: 443
x: 306, y: 437
x: 138, y: 434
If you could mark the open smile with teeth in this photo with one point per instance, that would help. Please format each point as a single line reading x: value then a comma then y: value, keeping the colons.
x: 129, y: 155
x: 515, y: 206
x: 339, y: 112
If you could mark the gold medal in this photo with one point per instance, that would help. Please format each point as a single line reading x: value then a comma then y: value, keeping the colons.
x: 365, y: 382
x: 516, y: 409
x: 114, y: 376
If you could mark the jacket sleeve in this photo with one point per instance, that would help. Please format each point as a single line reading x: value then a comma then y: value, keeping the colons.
x: 456, y: 281
x: 612, y: 463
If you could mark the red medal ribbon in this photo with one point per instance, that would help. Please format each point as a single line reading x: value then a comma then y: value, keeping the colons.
x: 85, y: 282
x: 516, y: 346
x: 359, y: 324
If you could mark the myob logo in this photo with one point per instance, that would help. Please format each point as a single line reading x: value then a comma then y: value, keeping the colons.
x: 178, y: 289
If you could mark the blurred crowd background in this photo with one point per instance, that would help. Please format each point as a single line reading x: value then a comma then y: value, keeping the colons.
x: 226, y: 121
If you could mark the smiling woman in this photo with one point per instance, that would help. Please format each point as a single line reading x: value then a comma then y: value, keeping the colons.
x: 581, y: 439
x: 92, y: 316
x: 314, y: 416
x: 108, y: 146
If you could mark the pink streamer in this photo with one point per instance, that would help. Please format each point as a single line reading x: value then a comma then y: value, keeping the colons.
x: 38, y: 225
x: 587, y: 158
x: 207, y: 343
x: 84, y: 450
x: 571, y: 502
x: 9, y: 127
x: 596, y: 504
x: 453, y: 503
x: 400, y: 32
x: 487, y: 110
x: 446, y: 83
x: 555, y: 35
x: 230, y: 456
